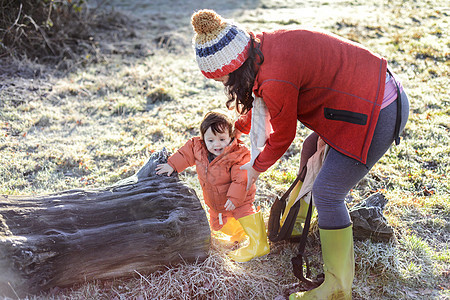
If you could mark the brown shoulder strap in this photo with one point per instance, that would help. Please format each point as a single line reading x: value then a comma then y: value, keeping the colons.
x: 297, y: 261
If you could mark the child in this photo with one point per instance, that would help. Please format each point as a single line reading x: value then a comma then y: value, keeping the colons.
x: 218, y: 157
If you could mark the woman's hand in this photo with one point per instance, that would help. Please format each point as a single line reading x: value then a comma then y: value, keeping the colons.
x: 252, y: 174
x: 164, y: 168
x: 229, y: 205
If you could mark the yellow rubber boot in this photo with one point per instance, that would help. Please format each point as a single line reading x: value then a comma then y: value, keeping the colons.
x: 339, y: 266
x: 258, y: 245
x: 234, y: 230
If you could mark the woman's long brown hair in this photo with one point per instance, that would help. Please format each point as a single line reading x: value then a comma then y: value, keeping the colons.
x: 240, y: 82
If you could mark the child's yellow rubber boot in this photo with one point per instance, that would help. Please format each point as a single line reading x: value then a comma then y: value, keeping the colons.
x: 258, y: 245
x: 234, y: 230
x: 339, y: 266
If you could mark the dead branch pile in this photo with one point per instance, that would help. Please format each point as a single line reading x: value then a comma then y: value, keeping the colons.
x: 51, y: 31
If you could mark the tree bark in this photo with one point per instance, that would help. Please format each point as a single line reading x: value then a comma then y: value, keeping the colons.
x: 368, y: 219
x: 139, y: 224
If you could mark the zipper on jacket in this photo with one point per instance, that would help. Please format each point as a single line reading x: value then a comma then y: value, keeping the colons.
x: 345, y: 115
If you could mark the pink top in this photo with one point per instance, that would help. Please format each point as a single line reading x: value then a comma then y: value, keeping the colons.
x: 390, y: 91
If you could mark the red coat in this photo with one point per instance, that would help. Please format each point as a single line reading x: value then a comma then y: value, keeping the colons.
x: 332, y: 85
x: 220, y: 179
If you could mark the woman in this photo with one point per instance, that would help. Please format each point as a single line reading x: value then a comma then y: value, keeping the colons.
x: 335, y: 87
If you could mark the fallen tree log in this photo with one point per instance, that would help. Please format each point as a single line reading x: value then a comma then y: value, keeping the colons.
x: 139, y: 224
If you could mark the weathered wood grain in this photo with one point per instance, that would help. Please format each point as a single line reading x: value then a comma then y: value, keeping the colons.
x: 140, y: 223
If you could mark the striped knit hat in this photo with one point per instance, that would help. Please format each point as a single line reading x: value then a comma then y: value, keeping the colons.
x: 220, y: 46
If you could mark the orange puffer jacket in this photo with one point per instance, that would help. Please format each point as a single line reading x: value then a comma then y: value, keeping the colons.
x: 222, y: 178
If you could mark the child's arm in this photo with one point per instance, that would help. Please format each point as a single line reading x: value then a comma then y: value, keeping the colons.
x: 164, y: 168
x: 178, y: 161
x: 237, y: 192
x: 184, y: 157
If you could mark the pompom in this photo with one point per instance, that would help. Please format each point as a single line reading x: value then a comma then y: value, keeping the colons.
x: 206, y: 21
x: 220, y: 45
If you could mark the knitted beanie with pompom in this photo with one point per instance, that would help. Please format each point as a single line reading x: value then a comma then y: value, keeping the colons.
x: 221, y: 47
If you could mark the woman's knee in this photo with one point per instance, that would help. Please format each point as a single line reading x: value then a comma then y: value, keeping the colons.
x: 325, y: 196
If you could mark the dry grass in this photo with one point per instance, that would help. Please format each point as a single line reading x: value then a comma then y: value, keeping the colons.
x: 97, y: 124
x: 64, y: 34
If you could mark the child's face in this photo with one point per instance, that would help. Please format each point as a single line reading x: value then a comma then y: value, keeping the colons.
x: 216, y: 143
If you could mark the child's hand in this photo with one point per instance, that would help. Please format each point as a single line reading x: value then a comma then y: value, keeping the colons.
x: 164, y: 168
x: 229, y: 205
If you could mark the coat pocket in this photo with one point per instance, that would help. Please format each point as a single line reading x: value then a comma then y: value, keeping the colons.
x: 345, y: 116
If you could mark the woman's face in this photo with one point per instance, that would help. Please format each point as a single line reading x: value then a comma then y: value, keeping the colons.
x: 223, y: 79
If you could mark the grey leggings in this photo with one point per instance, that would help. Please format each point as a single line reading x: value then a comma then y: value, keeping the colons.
x: 340, y: 173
